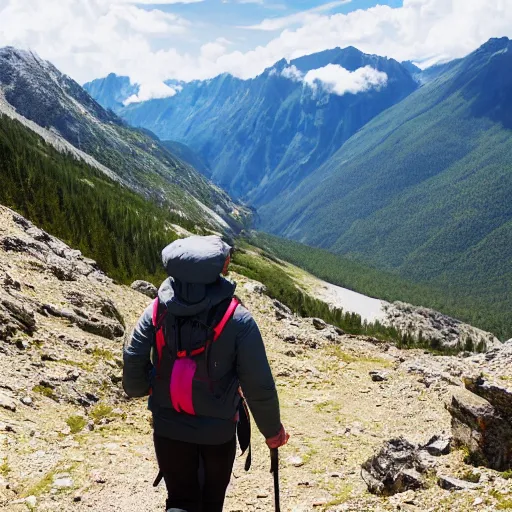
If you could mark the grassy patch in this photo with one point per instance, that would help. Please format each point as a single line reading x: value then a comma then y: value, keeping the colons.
x: 5, y: 469
x: 507, y: 475
x: 76, y: 423
x: 328, y: 407
x: 341, y: 496
x: 101, y: 353
x: 42, y: 485
x: 77, y: 364
x: 45, y: 391
x: 100, y: 412
x: 348, y: 358
x: 469, y: 476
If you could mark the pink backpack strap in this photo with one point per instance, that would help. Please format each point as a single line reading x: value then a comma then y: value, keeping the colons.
x: 217, y: 330
x: 157, y: 324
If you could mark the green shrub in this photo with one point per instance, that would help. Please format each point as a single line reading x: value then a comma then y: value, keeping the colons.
x: 76, y: 423
x: 100, y: 412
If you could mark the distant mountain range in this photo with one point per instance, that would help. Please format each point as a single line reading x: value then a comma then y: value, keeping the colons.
x: 40, y: 96
x: 413, y: 175
x: 261, y: 137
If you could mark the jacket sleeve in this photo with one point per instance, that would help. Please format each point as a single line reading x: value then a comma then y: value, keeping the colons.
x: 137, y: 357
x: 255, y: 375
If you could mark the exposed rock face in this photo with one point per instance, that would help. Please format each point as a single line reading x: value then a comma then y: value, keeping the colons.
x: 440, y: 331
x: 145, y: 288
x: 19, y: 310
x: 482, y: 422
x: 65, y: 263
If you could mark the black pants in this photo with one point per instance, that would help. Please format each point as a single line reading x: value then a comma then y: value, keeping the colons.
x: 196, y: 476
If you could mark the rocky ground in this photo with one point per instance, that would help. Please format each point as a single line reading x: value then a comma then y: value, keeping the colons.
x: 70, y: 440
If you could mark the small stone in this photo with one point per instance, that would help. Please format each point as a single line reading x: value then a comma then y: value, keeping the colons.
x: 379, y: 375
x: 478, y: 501
x: 449, y: 483
x: 262, y: 494
x: 22, y: 344
x: 319, y: 324
x: 296, y: 461
x: 290, y: 353
x: 26, y: 400
x: 31, y: 501
x: 77, y: 498
x: 7, y: 403
x: 98, y: 477
x: 255, y: 288
x: 438, y: 446
x: 63, y: 483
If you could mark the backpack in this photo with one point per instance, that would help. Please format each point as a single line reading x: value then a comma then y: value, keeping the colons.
x: 178, y: 368
x: 181, y: 362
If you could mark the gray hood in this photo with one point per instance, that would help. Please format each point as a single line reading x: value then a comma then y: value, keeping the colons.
x: 194, y: 266
x: 173, y: 294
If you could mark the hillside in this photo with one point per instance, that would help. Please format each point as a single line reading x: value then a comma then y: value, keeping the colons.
x: 72, y: 441
x: 41, y: 94
x: 424, y: 189
x: 264, y: 135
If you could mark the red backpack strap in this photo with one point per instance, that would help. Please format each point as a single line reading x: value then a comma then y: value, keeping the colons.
x: 217, y: 330
x: 157, y: 324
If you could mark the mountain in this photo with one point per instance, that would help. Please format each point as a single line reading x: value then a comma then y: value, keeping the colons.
x: 35, y: 90
x: 188, y: 155
x: 263, y: 136
x: 112, y: 91
x: 424, y: 188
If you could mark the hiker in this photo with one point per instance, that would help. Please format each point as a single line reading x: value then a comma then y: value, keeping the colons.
x: 193, y: 374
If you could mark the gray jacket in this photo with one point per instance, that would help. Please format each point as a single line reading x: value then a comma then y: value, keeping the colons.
x: 238, y: 356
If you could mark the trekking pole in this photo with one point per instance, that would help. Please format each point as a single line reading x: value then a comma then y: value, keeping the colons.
x: 274, y: 469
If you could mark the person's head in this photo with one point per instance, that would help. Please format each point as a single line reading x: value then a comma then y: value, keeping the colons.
x: 197, y: 259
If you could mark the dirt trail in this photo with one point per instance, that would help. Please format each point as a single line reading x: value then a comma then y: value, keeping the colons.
x: 99, y: 456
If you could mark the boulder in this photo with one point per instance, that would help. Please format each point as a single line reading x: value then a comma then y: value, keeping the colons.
x: 396, y: 468
x: 482, y: 428
x: 145, y: 288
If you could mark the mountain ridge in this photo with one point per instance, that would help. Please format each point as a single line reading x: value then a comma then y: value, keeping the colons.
x: 263, y: 135
x: 37, y: 91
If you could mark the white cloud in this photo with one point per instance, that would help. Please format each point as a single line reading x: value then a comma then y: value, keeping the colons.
x: 299, y: 18
x: 292, y: 73
x: 155, y: 2
x: 91, y: 38
x: 338, y: 80
x: 150, y: 91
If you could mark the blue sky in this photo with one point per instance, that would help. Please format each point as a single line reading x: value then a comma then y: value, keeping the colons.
x: 152, y: 41
x: 222, y: 18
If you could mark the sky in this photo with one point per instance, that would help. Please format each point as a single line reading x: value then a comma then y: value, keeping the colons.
x: 155, y: 40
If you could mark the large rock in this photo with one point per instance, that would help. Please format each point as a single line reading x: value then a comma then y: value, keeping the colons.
x: 482, y: 427
x: 437, y: 330
x: 396, y: 468
x: 145, y: 288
